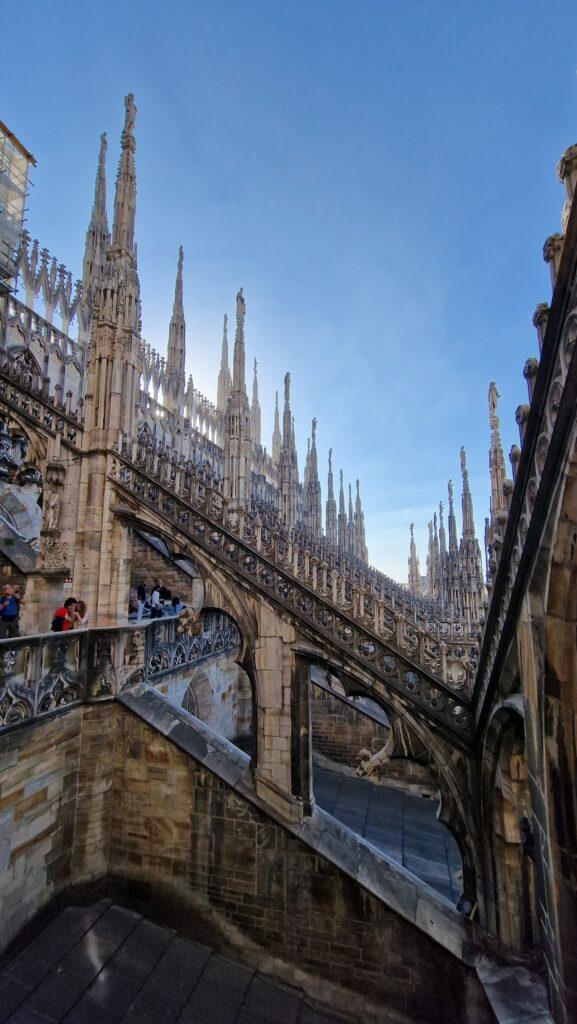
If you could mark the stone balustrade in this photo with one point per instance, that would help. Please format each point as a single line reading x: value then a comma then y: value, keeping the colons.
x: 49, y: 672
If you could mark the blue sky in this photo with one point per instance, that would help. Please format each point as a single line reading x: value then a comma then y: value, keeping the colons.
x: 378, y: 175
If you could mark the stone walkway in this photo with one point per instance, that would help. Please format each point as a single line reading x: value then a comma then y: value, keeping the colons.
x: 104, y: 964
x: 401, y: 825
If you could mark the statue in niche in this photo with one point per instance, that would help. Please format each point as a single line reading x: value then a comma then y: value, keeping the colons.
x: 52, y: 510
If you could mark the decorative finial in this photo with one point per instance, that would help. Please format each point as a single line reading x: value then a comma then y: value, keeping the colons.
x: 411, y: 528
x: 287, y: 387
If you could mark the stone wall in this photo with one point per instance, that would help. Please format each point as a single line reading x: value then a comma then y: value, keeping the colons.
x: 184, y: 832
x: 9, y: 573
x: 340, y: 731
x: 38, y: 791
x: 97, y: 797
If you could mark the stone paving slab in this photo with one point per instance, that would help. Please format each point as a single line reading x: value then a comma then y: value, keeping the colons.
x: 105, y: 964
x: 400, y: 824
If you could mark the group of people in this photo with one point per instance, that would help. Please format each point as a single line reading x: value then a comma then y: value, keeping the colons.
x: 72, y: 615
x: 158, y: 603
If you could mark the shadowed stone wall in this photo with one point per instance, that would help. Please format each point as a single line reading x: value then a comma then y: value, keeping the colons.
x: 38, y: 793
x: 179, y: 827
x: 340, y: 732
x: 96, y: 795
x: 148, y: 564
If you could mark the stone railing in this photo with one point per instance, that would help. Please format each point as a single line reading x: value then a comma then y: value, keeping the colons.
x: 50, y: 672
x: 544, y: 425
x: 432, y: 675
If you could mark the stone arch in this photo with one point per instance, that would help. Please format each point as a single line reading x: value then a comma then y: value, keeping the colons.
x: 449, y: 768
x: 506, y: 808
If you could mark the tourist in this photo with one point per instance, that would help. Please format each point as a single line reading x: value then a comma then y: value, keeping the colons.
x: 9, y: 612
x: 176, y: 606
x: 80, y: 615
x: 64, y: 617
x: 155, y: 605
x: 141, y: 593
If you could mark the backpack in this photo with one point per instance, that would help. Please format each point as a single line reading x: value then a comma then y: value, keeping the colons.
x: 57, y: 623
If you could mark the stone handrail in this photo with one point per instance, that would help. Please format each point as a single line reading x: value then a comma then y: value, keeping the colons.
x: 49, y: 672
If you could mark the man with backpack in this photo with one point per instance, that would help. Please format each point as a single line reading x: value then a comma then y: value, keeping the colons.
x: 9, y: 612
x: 64, y: 617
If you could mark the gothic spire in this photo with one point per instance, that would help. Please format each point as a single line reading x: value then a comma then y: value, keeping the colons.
x: 442, y: 534
x: 342, y: 521
x: 276, y: 434
x: 294, y: 446
x: 331, y: 506
x: 238, y: 380
x: 314, y: 468
x: 97, y: 236
x: 176, y: 355
x: 496, y: 458
x: 415, y: 586
x: 224, y: 378
x: 287, y: 422
x: 350, y: 524
x: 467, y: 501
x: 99, y: 204
x: 125, y: 197
x: 255, y: 427
x: 453, y: 545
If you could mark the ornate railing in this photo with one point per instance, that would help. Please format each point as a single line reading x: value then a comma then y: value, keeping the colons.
x: 50, y: 672
x: 346, y: 617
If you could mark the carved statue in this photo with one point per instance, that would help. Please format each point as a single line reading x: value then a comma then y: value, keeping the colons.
x: 189, y: 623
x: 52, y: 510
x: 130, y: 113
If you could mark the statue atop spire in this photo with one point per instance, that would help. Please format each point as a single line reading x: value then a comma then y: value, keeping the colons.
x: 129, y: 114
